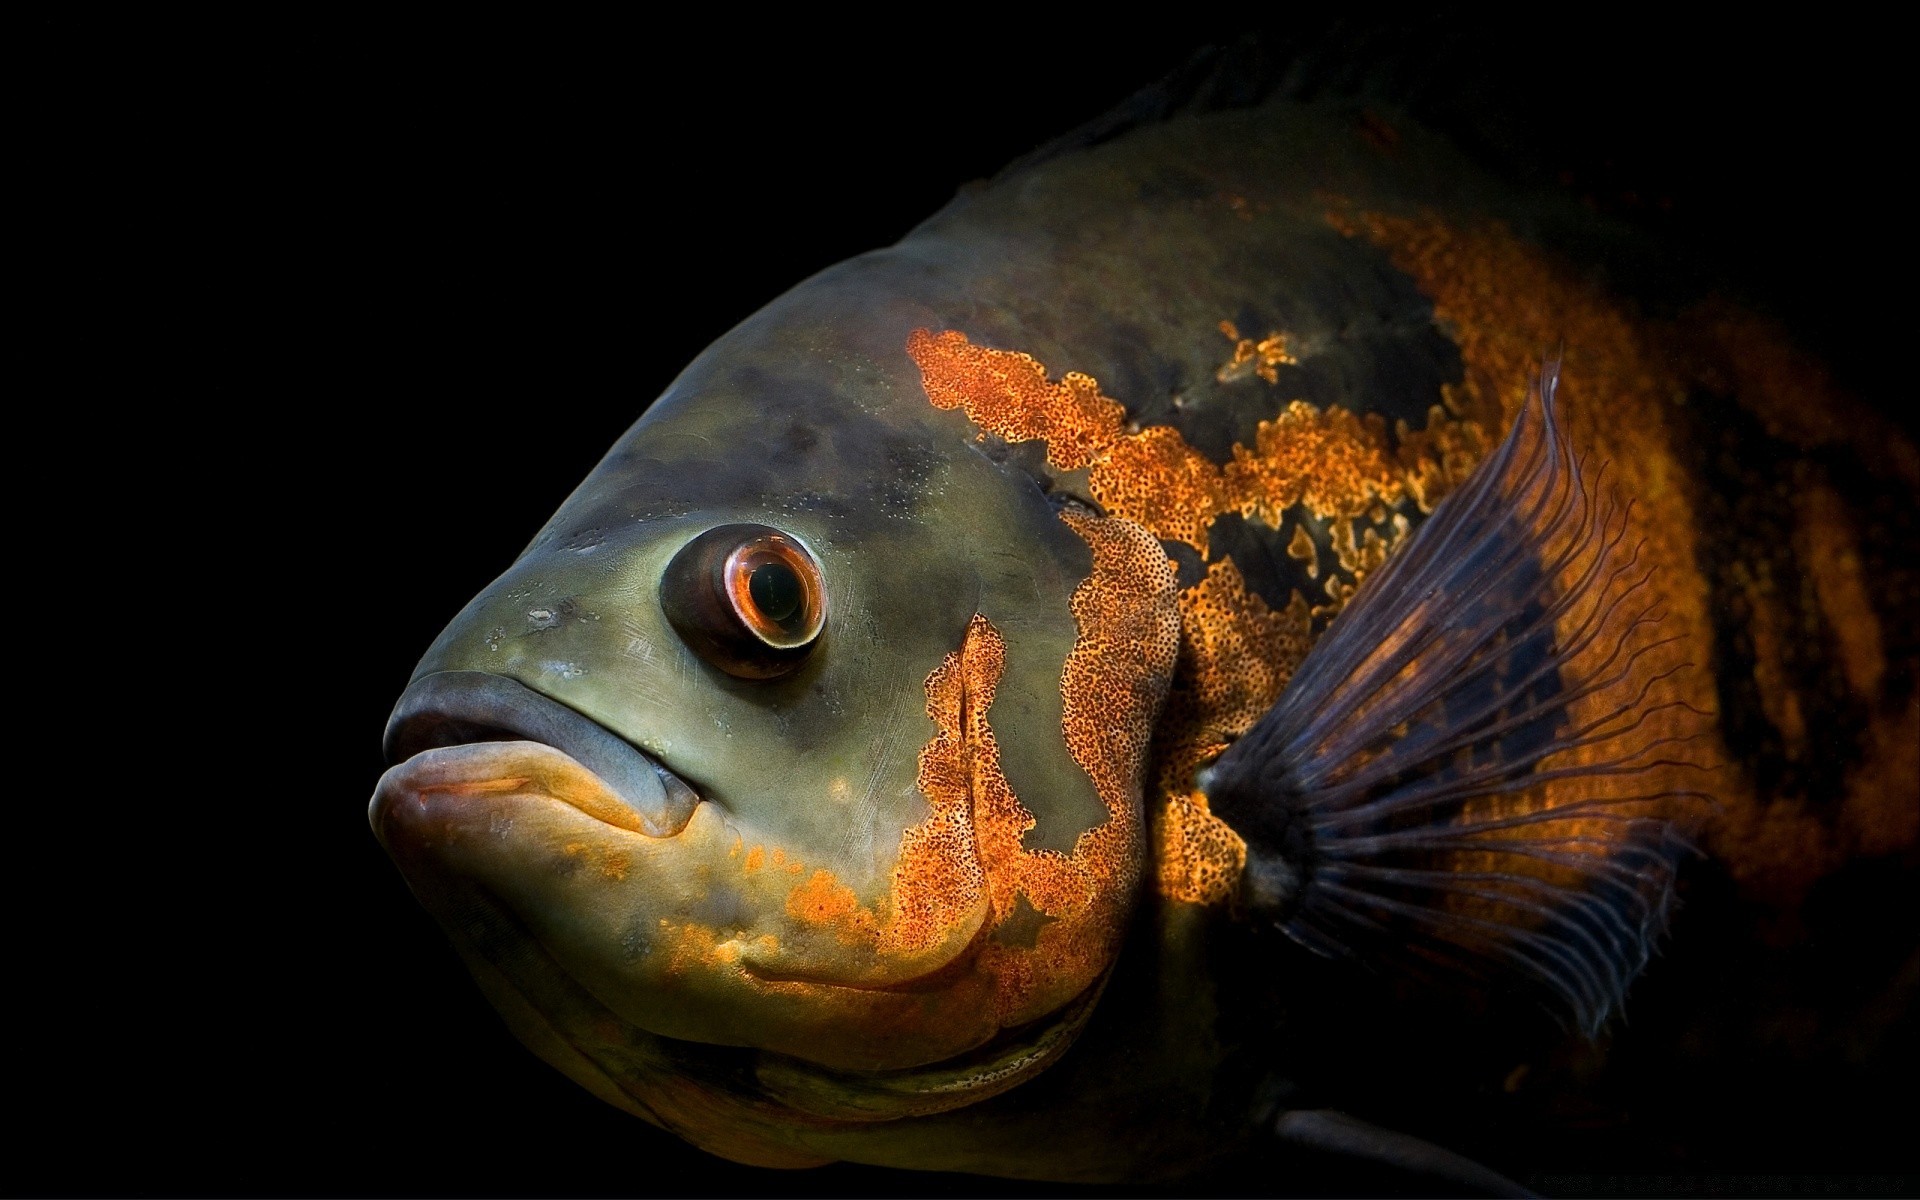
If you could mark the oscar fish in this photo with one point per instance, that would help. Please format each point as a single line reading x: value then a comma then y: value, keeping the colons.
x: 1230, y: 567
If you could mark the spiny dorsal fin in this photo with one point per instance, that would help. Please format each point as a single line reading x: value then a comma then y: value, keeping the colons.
x: 1312, y: 57
x: 1470, y: 767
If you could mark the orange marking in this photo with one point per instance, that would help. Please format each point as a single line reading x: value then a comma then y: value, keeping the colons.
x: 970, y: 849
x: 1009, y: 395
x: 1263, y: 358
x: 1111, y: 689
x: 1236, y: 656
x: 1234, y: 653
x: 1156, y: 480
x: 1301, y: 549
x: 824, y: 900
x: 937, y: 878
x: 1334, y: 463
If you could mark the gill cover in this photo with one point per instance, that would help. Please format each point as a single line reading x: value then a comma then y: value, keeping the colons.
x: 1467, y: 769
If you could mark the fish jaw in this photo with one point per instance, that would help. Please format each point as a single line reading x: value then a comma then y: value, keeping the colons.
x: 615, y: 782
x: 674, y: 934
x: 452, y: 783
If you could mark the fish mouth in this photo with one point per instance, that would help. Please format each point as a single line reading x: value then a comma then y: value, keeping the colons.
x: 619, y: 877
x: 442, y: 726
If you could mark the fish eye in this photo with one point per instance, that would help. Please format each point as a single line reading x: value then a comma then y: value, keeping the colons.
x: 748, y: 598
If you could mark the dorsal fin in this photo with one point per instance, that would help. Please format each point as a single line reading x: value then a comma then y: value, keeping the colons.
x: 1314, y: 57
x: 1471, y: 765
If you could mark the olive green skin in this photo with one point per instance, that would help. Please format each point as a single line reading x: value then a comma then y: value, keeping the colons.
x: 1119, y: 261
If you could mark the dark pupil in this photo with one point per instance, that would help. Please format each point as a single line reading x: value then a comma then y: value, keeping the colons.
x: 776, y: 592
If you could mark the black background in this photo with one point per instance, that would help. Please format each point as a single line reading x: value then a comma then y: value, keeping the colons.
x: 327, y: 316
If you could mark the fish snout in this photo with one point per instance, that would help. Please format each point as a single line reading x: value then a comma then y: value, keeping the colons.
x: 449, y: 709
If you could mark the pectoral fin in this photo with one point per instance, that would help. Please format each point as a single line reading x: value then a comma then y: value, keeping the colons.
x: 1476, y: 765
x: 1330, y: 1132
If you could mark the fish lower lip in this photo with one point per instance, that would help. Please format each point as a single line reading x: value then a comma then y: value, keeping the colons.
x: 455, y: 708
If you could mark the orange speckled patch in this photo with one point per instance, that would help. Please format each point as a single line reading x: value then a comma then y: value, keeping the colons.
x: 1335, y: 463
x: 1438, y: 458
x: 689, y: 945
x: 1263, y: 358
x: 824, y: 900
x: 1236, y: 656
x: 972, y: 845
x: 1010, y: 395
x: 938, y: 879
x: 1155, y: 479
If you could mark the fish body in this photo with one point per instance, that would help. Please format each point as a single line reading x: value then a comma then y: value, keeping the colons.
x: 1062, y: 493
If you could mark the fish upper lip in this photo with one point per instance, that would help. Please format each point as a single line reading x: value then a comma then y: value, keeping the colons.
x: 453, y: 708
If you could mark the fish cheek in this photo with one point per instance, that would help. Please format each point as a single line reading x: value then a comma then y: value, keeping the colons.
x: 1057, y: 918
x: 628, y: 920
x: 1028, y: 602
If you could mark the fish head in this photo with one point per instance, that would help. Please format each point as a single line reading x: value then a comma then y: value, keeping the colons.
x: 808, y: 732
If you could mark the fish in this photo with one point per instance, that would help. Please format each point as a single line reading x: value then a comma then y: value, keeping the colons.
x: 1029, y: 677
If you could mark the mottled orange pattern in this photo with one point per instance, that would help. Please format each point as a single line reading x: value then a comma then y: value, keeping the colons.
x: 1235, y: 653
x: 1011, y: 395
x: 1504, y: 301
x: 1505, y: 304
x: 824, y: 900
x: 938, y: 878
x: 1435, y: 460
x: 1336, y: 464
x: 1158, y: 481
x: 1236, y: 656
x: 968, y: 857
x: 1111, y: 688
x: 1263, y: 358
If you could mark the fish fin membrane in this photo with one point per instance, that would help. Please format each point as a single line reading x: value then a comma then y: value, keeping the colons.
x: 1316, y: 57
x: 1480, y: 764
x: 1435, y: 1170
